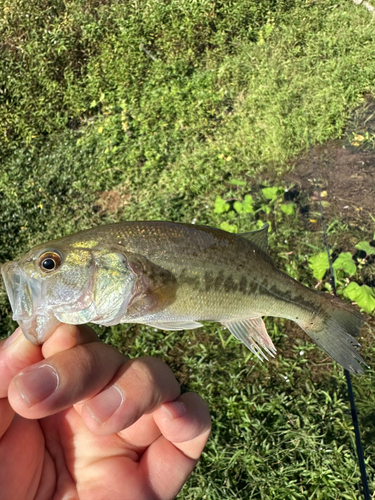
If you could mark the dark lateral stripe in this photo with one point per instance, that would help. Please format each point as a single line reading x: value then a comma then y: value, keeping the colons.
x: 291, y: 296
x: 219, y: 283
x: 189, y: 279
x: 243, y: 285
x: 219, y: 280
x: 227, y: 284
x: 209, y: 280
x: 230, y: 286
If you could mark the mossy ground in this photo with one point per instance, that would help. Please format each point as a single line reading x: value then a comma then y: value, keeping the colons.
x: 111, y: 111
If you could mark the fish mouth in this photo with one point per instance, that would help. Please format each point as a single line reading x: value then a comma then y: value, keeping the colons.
x: 26, y: 300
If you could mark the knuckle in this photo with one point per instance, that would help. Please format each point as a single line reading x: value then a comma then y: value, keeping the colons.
x: 143, y: 372
x: 156, y: 379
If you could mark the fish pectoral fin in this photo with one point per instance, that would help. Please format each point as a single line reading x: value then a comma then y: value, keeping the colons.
x: 155, y: 287
x: 175, y: 325
x: 252, y: 332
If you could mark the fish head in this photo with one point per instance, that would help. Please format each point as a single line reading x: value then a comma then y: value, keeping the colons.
x: 73, y: 283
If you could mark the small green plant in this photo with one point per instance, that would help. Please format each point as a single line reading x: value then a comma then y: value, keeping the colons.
x: 270, y: 201
x: 366, y: 247
x: 230, y: 228
x: 345, y: 262
x: 319, y: 264
x: 344, y: 266
x: 272, y: 193
x: 288, y: 208
x: 246, y: 206
x: 274, y: 196
x: 363, y: 295
x: 221, y: 206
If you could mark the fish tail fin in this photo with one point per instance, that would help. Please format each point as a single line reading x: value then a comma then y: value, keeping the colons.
x: 333, y: 329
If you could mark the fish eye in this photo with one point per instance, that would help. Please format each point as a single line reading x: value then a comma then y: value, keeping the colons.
x: 49, y: 261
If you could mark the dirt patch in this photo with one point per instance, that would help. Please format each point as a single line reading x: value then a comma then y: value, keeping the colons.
x: 346, y: 177
x: 345, y: 172
x: 112, y: 202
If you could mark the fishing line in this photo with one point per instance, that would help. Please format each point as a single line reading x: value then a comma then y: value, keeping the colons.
x: 361, y: 460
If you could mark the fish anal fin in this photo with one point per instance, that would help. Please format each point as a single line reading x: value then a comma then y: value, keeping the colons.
x: 252, y: 332
x: 259, y: 237
x: 174, y: 325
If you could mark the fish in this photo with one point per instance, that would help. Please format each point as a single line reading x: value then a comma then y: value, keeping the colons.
x: 173, y: 276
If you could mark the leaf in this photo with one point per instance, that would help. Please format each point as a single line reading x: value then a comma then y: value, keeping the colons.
x: 238, y: 206
x: 247, y: 204
x: 237, y: 182
x: 366, y: 299
x: 319, y: 265
x: 221, y: 205
x: 351, y: 290
x: 363, y: 295
x: 245, y: 207
x: 271, y: 193
x: 345, y: 262
x: 366, y: 247
x: 266, y: 208
x: 230, y: 228
x: 288, y: 208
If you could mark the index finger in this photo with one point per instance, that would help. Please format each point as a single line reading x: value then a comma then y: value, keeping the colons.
x: 16, y: 352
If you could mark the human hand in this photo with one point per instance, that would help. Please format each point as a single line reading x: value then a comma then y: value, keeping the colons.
x: 92, y: 424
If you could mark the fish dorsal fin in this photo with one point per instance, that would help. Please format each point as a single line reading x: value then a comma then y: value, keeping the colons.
x: 174, y: 325
x: 252, y: 332
x: 259, y: 237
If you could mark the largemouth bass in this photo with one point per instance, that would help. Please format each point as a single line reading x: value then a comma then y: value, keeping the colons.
x: 173, y: 276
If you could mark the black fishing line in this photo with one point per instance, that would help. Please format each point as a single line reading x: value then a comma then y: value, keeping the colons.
x: 361, y: 459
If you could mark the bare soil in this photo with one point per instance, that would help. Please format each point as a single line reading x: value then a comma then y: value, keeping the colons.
x: 112, y: 202
x: 345, y: 172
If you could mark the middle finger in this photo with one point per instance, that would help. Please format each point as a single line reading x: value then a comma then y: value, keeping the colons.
x: 138, y: 388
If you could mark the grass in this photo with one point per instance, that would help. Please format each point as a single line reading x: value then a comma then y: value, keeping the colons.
x: 163, y: 105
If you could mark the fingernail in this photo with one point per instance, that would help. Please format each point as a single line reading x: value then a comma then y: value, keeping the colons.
x: 174, y: 409
x: 104, y: 405
x: 12, y: 338
x: 37, y: 384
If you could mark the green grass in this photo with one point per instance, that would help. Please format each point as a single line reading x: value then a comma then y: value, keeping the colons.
x: 165, y: 103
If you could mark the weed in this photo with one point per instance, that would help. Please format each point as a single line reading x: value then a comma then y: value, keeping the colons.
x: 344, y: 266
